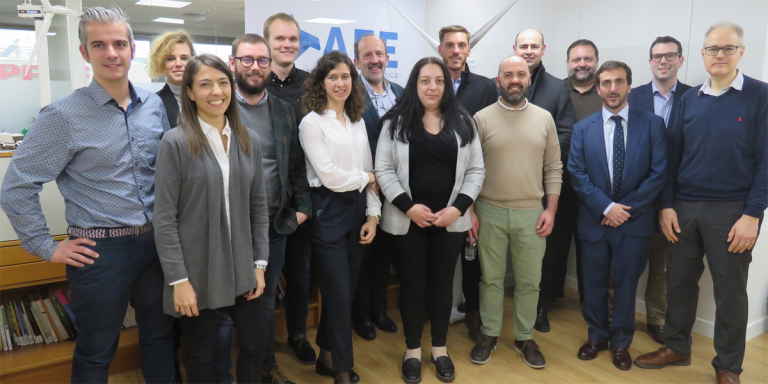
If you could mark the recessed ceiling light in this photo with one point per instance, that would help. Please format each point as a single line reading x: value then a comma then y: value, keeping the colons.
x: 164, y: 3
x: 168, y: 20
x: 51, y: 33
x: 323, y: 20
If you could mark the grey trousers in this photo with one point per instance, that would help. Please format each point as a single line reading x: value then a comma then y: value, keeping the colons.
x: 656, y: 289
x: 705, y: 227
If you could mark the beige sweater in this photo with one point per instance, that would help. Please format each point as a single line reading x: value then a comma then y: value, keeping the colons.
x: 520, y: 147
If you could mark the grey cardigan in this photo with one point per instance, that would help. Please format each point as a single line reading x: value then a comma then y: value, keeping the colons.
x: 190, y: 221
x: 392, y: 174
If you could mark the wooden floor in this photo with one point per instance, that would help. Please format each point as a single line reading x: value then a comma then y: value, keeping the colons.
x: 379, y: 361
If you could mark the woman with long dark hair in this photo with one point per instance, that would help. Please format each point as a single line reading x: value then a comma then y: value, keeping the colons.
x: 211, y: 222
x: 429, y: 166
x: 345, y: 204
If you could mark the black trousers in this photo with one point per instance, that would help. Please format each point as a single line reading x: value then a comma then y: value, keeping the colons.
x: 471, y: 274
x: 426, y: 262
x: 371, y: 292
x: 555, y: 263
x: 199, y: 335
x: 704, y: 230
x: 336, y: 222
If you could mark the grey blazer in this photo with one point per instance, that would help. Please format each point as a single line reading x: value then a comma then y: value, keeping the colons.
x: 392, y: 174
x: 190, y: 221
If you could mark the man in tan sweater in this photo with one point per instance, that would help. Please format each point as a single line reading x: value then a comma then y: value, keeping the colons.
x: 522, y: 162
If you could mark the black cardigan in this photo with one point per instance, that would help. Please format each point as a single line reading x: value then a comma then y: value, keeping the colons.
x: 171, y: 105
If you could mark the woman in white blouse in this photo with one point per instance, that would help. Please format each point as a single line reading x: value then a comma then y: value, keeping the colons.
x: 345, y: 202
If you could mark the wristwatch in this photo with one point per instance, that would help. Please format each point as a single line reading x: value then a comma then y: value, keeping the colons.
x: 261, y: 266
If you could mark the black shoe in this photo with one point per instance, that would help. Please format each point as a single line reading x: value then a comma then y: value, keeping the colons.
x: 542, y: 322
x: 383, y: 322
x: 323, y: 370
x: 481, y: 352
x: 444, y: 369
x: 274, y: 376
x: 364, y: 327
x: 411, y: 370
x: 302, y: 349
x: 657, y: 333
x: 462, y: 308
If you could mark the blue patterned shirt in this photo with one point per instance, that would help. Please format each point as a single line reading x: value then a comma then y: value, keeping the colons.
x: 101, y: 156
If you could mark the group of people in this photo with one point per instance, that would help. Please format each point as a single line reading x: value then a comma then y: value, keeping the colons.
x: 190, y: 203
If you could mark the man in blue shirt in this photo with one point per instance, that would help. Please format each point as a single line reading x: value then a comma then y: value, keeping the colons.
x: 661, y: 96
x: 99, y: 144
x: 714, y: 202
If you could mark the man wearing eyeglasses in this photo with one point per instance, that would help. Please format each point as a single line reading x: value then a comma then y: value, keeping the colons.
x: 661, y: 96
x: 285, y: 174
x: 714, y: 202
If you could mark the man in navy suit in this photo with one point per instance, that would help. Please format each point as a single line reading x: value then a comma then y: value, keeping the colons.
x: 661, y: 96
x: 617, y: 165
x: 370, y: 300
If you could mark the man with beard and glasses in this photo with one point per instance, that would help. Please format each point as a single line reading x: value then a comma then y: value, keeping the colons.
x: 474, y: 92
x: 661, y: 96
x: 370, y: 300
x: 582, y: 59
x: 521, y: 150
x: 549, y: 92
x: 285, y: 171
x: 617, y: 165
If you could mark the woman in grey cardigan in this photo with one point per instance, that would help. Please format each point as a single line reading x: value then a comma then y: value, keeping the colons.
x: 211, y: 222
x: 429, y: 166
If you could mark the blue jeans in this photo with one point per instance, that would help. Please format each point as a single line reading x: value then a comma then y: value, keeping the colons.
x: 127, y: 270
x: 225, y: 329
x: 298, y: 250
x: 222, y: 347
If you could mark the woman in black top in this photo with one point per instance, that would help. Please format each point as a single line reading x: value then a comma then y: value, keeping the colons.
x: 429, y: 165
x: 168, y: 57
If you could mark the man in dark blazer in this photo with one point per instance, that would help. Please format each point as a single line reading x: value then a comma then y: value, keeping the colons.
x: 617, y: 166
x: 661, y: 96
x: 370, y: 300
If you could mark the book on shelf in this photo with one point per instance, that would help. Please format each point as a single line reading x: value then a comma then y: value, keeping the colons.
x: 67, y: 308
x: 33, y: 323
x: 60, y: 330
x: 71, y: 331
x: 7, y: 344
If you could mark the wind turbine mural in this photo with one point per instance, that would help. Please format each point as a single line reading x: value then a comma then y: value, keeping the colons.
x: 46, y: 12
x: 475, y: 36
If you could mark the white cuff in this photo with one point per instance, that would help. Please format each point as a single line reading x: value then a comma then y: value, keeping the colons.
x: 605, y: 212
x: 179, y: 281
x: 260, y: 262
x: 365, y: 181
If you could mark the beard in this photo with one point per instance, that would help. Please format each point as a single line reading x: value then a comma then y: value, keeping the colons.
x: 619, y: 102
x: 245, y: 87
x: 513, y: 96
x: 581, y: 76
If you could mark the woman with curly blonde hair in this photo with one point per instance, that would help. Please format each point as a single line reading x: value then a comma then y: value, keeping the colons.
x: 168, y: 57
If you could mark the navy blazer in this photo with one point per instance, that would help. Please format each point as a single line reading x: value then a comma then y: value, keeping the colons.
x: 642, y: 98
x: 644, y: 173
x: 372, y: 119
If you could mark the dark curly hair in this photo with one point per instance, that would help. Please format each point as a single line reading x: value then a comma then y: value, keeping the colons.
x: 315, y: 97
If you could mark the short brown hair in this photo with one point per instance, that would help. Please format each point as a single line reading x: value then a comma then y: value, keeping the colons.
x: 315, y: 97
x: 162, y: 47
x: 452, y: 29
x: 610, y: 66
x: 249, y: 38
x: 279, y: 16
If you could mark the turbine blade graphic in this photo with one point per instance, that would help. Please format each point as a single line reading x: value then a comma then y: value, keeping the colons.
x: 427, y: 38
x: 487, y: 27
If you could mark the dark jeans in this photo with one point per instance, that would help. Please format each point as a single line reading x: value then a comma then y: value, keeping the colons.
x: 222, y: 346
x: 555, y: 263
x: 704, y: 230
x: 471, y: 274
x: 199, y: 339
x: 271, y: 276
x: 298, y: 250
x: 336, y: 222
x: 426, y: 262
x: 127, y: 270
x: 371, y: 293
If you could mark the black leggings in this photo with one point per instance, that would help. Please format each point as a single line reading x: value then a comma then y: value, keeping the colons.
x: 199, y: 334
x: 426, y: 261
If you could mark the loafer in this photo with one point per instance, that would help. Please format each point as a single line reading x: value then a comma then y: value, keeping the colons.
x: 657, y: 333
x: 364, y: 327
x: 444, y: 369
x: 542, y: 321
x: 411, y: 370
x: 322, y: 370
x: 531, y: 353
x: 383, y: 322
x: 661, y: 358
x: 302, y: 349
x: 621, y: 358
x: 590, y: 349
x: 727, y: 377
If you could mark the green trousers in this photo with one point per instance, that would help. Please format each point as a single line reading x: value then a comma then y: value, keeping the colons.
x: 501, y: 228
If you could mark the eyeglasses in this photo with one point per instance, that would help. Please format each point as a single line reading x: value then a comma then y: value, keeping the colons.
x: 728, y: 50
x: 248, y: 61
x: 669, y: 56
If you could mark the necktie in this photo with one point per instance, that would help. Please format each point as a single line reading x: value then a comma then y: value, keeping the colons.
x: 618, y: 155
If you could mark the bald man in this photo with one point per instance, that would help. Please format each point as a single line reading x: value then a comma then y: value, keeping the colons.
x: 519, y: 140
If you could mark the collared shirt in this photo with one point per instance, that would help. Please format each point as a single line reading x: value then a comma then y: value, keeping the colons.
x: 101, y: 156
x: 456, y: 84
x: 512, y: 108
x: 289, y: 89
x: 584, y: 104
x: 662, y: 106
x: 383, y: 102
x: 608, y: 129
x: 338, y: 158
x: 241, y: 98
x: 737, y: 84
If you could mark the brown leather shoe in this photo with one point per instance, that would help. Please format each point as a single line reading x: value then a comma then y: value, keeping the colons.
x: 657, y: 333
x: 727, y: 377
x: 621, y: 358
x: 473, y: 321
x: 661, y: 358
x: 590, y: 349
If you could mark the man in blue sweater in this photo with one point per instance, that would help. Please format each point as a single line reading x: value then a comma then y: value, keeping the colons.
x: 714, y: 202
